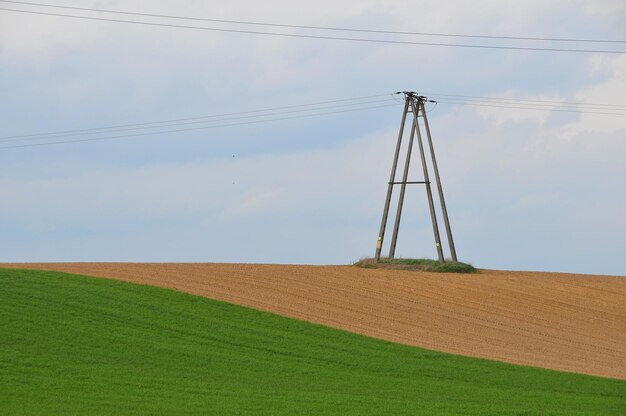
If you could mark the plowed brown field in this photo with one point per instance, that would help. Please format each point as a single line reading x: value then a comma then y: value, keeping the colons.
x: 561, y: 321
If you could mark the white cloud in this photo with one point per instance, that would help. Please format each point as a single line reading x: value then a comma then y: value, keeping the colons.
x: 227, y: 189
x: 553, y: 186
x: 605, y: 7
x: 515, y: 179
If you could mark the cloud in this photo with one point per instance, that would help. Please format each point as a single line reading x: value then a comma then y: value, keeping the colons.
x: 525, y: 189
x: 298, y: 188
x: 549, y: 186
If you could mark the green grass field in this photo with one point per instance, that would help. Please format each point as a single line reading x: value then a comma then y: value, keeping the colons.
x: 82, y: 345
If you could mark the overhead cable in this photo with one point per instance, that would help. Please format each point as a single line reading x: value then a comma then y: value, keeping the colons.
x: 295, y: 35
x: 327, y: 28
x: 579, y: 104
x: 174, y: 123
x: 125, y: 136
x: 520, y: 107
x: 358, y: 102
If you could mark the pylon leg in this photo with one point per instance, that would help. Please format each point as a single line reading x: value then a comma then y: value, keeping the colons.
x: 446, y: 221
x: 431, y: 205
x: 383, y: 224
x: 396, y: 226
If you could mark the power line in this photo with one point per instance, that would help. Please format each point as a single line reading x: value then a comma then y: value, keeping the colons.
x: 569, y: 107
x: 194, y: 128
x: 328, y: 28
x: 494, y: 102
x: 445, y: 101
x: 550, y: 102
x: 173, y: 123
x: 293, y: 35
x: 499, y: 105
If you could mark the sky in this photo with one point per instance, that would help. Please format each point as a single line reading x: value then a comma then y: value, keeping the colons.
x: 526, y: 189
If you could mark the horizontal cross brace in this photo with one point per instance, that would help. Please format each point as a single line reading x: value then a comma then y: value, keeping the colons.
x: 408, y: 183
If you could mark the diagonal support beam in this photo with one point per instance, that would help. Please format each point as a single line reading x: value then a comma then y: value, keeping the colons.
x: 405, y: 176
x: 429, y: 193
x: 444, y: 210
x: 394, y: 166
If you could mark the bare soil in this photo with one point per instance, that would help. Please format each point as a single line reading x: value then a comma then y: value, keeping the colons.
x: 560, y: 321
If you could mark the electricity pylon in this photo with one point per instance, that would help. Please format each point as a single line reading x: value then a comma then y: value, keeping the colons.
x: 414, y: 105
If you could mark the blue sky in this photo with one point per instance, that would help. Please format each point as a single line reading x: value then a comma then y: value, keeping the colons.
x: 526, y: 189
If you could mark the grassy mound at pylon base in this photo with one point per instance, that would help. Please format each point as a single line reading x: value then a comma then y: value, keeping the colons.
x: 423, y: 265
